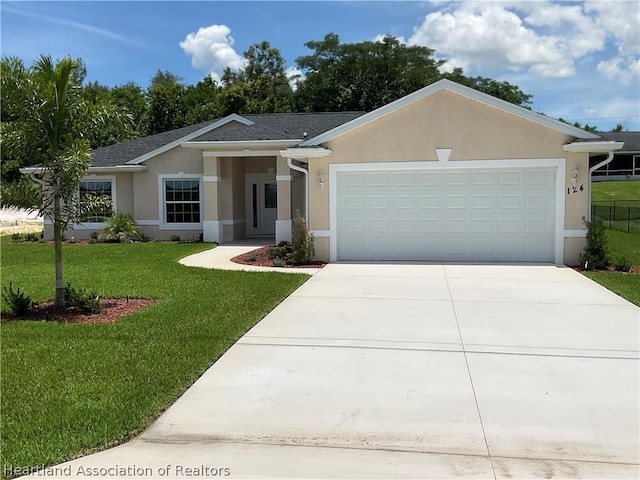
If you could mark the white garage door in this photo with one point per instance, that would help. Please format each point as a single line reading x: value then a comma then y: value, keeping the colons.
x: 462, y: 214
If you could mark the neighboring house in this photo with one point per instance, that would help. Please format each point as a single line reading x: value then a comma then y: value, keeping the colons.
x: 445, y: 173
x: 626, y: 161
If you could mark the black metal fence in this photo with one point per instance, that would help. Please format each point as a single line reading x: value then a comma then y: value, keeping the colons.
x: 622, y: 215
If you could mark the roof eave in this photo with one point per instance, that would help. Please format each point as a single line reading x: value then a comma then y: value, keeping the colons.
x: 604, y: 146
x: 95, y: 170
x: 241, y: 145
x: 304, y: 153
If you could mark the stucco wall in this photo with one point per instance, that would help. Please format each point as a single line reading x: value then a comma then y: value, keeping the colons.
x: 472, y: 130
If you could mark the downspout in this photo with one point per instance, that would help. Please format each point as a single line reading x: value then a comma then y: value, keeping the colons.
x: 591, y: 170
x: 306, y: 186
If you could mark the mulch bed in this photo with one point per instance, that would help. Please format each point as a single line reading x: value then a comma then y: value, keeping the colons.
x: 114, y: 309
x: 262, y: 260
x: 633, y: 271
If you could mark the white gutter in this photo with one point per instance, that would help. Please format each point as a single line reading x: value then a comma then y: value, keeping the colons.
x: 591, y: 170
x: 604, y: 146
x: 114, y: 169
x: 306, y: 186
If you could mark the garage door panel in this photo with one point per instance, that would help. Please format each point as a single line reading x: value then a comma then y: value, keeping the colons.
x: 469, y: 214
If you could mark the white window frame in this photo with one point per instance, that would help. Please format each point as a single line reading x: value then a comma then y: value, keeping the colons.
x: 98, y: 178
x: 162, y: 221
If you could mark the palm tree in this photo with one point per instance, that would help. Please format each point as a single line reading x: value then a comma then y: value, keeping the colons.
x: 55, y: 126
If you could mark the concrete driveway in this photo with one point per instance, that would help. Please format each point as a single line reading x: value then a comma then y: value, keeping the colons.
x: 414, y: 371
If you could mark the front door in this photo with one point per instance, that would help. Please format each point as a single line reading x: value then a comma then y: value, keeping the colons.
x: 262, y: 204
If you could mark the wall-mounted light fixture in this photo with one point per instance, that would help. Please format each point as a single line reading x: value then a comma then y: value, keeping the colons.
x: 321, y: 177
x: 575, y: 172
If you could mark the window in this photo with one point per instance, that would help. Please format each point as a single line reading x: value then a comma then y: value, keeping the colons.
x: 98, y: 187
x: 182, y: 201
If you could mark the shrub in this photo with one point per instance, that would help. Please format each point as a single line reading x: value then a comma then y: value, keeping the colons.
x: 120, y: 228
x: 622, y: 264
x: 596, y: 255
x: 282, y: 251
x: 251, y: 258
x: 303, y: 241
x: 175, y: 238
x: 279, y: 262
x: 16, y: 237
x: 18, y: 303
x: 87, y: 302
x: 31, y: 237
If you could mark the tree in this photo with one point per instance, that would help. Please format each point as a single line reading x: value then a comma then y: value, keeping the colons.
x: 369, y: 75
x: 165, y: 103
x: 261, y: 87
x: 55, y: 125
x: 362, y: 76
x: 131, y: 98
x: 201, y: 102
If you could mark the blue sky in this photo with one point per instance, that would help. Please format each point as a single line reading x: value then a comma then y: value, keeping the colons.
x: 580, y: 60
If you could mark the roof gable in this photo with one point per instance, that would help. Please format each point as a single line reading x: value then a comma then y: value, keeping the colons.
x: 462, y: 90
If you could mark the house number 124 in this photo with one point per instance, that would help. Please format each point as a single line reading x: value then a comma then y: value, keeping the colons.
x: 571, y: 190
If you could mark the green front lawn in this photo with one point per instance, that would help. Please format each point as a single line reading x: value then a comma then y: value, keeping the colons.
x: 616, y: 191
x: 627, y: 286
x: 68, y: 389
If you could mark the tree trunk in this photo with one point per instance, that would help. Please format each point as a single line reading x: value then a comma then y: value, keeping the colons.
x: 57, y: 245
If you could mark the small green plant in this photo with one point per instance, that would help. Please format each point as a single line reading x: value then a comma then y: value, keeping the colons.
x: 251, y: 258
x: 87, y: 302
x: 144, y: 237
x: 93, y: 237
x: 16, y: 237
x: 303, y: 241
x: 120, y: 228
x: 175, y: 238
x: 18, y: 303
x: 622, y: 264
x: 283, y: 250
x: 596, y: 254
x: 279, y: 262
x: 31, y: 237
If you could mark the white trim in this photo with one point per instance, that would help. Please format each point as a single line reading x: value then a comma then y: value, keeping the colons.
x: 212, y: 178
x: 212, y: 231
x: 283, y: 230
x: 114, y: 202
x: 304, y: 153
x: 574, y: 233
x: 244, y: 144
x: 212, y: 126
x: 148, y: 223
x: 239, y: 153
x: 227, y: 223
x: 92, y: 170
x: 283, y: 178
x: 443, y: 154
x: 321, y: 233
x: 460, y: 90
x: 604, y: 146
x: 558, y: 163
x: 162, y: 225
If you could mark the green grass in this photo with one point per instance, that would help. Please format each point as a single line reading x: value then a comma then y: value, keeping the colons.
x: 69, y: 389
x: 616, y: 191
x: 627, y: 286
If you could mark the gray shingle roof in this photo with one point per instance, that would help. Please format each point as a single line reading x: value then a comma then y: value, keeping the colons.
x: 276, y: 126
x: 631, y: 140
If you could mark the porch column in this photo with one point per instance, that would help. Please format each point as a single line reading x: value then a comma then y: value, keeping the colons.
x: 212, y: 230
x: 283, y: 180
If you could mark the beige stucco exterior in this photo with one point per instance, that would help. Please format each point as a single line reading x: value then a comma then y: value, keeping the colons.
x: 473, y: 130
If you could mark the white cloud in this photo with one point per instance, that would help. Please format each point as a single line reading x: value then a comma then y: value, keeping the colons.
x: 620, y: 68
x: 211, y: 50
x: 542, y: 38
x: 378, y: 38
x: 294, y: 75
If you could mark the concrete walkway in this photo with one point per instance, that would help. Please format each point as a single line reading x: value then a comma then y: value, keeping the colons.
x: 411, y: 371
x: 220, y: 258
